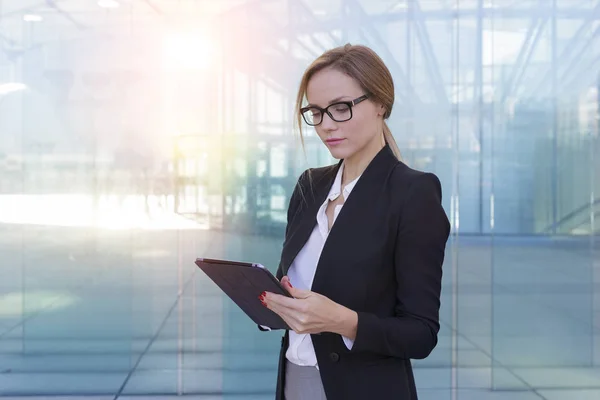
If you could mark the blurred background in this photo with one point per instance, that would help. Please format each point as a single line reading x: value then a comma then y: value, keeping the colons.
x: 137, y: 135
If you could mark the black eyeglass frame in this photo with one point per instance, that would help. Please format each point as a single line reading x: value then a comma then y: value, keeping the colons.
x: 350, y: 105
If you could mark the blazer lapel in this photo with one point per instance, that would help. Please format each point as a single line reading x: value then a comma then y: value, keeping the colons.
x: 315, y: 193
x: 374, y: 177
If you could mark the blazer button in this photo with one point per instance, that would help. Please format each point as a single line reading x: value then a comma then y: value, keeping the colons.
x: 334, y: 357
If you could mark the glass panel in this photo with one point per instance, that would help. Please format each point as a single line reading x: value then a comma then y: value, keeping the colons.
x: 77, y: 333
x: 544, y: 177
x: 429, y: 147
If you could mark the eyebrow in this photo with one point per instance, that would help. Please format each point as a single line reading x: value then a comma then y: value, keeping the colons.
x: 330, y: 102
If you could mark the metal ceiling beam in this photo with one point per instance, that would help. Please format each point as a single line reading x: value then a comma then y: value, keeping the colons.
x: 6, y: 39
x: 431, y: 63
x: 52, y: 4
x: 367, y: 23
x: 504, y: 13
x: 272, y: 26
x: 23, y: 10
x: 582, y: 80
x: 575, y: 41
x: 574, y: 71
x: 49, y: 3
x: 271, y: 30
x: 304, y: 9
x: 153, y: 6
x: 534, y: 33
x: 584, y: 75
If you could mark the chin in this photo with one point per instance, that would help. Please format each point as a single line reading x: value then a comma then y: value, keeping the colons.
x: 339, y: 153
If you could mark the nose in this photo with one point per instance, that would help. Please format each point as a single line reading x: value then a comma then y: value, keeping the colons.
x: 327, y: 123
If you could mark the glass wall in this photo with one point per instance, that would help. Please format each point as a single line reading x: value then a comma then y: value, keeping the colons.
x: 138, y: 135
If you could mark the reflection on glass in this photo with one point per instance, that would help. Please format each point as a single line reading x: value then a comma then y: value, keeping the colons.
x: 134, y: 139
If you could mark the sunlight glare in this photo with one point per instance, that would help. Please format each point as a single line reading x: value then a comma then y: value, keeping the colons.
x: 78, y: 210
x: 17, y: 303
x: 187, y: 51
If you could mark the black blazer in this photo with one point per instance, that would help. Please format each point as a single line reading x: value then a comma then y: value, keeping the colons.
x: 383, y: 259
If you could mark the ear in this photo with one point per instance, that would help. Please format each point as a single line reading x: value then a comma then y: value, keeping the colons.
x: 381, y: 110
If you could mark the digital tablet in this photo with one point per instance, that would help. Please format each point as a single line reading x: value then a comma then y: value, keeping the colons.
x: 243, y: 283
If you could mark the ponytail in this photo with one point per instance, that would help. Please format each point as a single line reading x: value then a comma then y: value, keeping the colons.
x: 389, y: 139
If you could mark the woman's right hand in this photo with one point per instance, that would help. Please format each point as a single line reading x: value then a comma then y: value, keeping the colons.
x: 310, y: 312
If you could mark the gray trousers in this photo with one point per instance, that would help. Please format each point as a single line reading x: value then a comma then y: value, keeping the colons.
x: 303, y: 383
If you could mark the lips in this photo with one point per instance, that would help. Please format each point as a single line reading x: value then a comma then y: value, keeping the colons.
x: 334, y: 140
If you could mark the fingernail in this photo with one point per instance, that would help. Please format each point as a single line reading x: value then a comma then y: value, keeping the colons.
x: 263, y: 294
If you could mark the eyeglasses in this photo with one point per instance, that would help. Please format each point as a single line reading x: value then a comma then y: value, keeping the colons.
x: 339, y: 112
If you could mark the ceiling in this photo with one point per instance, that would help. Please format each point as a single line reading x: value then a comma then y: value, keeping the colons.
x: 66, y: 18
x: 69, y: 17
x: 88, y: 13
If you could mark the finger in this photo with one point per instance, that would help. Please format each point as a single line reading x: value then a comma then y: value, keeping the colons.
x: 277, y: 308
x: 287, y: 316
x: 299, y: 293
x: 283, y: 301
x: 283, y: 311
x: 295, y: 316
x: 293, y: 320
x: 285, y: 282
x: 299, y: 322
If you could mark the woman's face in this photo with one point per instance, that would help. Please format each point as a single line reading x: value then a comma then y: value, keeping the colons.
x: 363, y: 130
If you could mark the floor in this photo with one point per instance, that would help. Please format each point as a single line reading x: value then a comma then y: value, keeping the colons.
x: 125, y: 314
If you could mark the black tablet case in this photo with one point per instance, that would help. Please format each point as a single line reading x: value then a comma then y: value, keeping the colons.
x: 243, y: 283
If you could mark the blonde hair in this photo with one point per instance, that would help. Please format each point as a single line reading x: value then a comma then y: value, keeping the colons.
x: 367, y: 68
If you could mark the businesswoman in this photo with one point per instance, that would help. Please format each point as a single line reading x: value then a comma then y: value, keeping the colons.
x: 364, y: 245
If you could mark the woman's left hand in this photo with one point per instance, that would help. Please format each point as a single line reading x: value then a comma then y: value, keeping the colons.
x: 310, y: 312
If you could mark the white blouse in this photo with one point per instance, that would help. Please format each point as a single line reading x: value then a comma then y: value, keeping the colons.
x: 302, y: 271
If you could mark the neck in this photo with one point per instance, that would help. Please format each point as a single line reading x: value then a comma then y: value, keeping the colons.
x: 355, y: 165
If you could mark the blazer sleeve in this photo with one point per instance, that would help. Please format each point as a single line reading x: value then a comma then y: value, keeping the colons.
x: 422, y: 233
x: 293, y: 205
